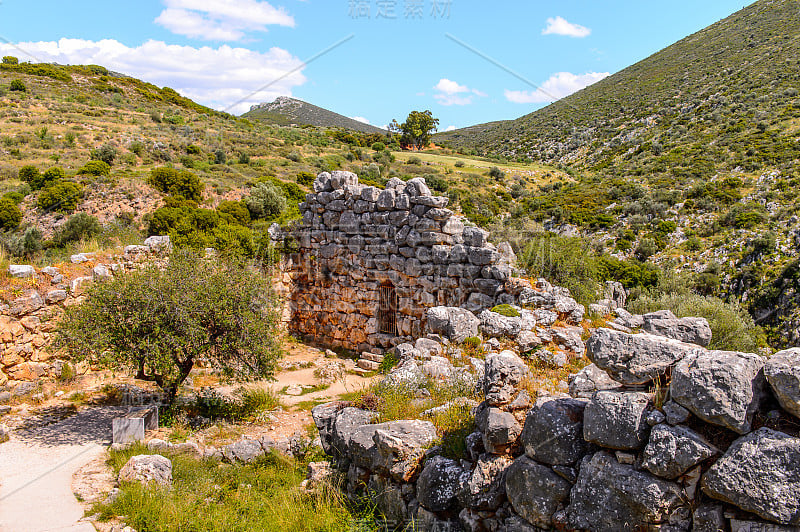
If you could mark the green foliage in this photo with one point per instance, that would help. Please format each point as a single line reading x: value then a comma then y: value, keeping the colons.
x: 105, y: 153
x: 17, y: 86
x: 30, y: 175
x: 95, y: 168
x: 60, y: 196
x: 220, y: 157
x: 496, y: 173
x: 236, y: 209
x: 10, y: 214
x: 23, y: 245
x: 176, y: 183
x: 265, y: 202
x: 244, y: 405
x: 158, y: 323
x: 192, y: 149
x: 389, y: 361
x: 78, y: 227
x: 439, y: 184
x: 306, y: 179
x: 417, y: 129
x: 10, y: 60
x: 378, y: 146
x: 506, y: 310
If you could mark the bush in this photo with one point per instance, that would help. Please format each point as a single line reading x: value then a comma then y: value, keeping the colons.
x: 16, y: 197
x: 10, y: 60
x: 414, y: 160
x: 220, y: 157
x: 236, y: 209
x: 460, y: 164
x: 78, y: 227
x: 29, y: 174
x: 378, y: 146
x: 564, y: 262
x: 159, y: 322
x: 106, y: 153
x: 24, y: 245
x: 192, y: 149
x: 496, y: 173
x: 61, y: 196
x: 17, y: 85
x: 265, y: 202
x: 306, y: 179
x: 506, y: 310
x: 95, y: 168
x: 10, y: 215
x: 176, y: 183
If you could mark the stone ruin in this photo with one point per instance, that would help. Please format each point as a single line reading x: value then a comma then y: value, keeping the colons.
x: 371, y: 262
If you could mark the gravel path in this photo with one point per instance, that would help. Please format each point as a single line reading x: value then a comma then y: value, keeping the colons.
x: 36, y: 468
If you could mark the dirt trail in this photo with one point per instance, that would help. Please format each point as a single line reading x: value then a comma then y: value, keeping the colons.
x: 36, y: 469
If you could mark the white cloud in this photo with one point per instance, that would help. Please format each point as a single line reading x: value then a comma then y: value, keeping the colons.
x: 216, y: 77
x: 451, y: 93
x: 451, y: 128
x: 221, y: 20
x: 558, y: 86
x: 360, y: 119
x: 560, y: 26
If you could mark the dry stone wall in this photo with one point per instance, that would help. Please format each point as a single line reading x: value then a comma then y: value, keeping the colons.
x: 356, y: 239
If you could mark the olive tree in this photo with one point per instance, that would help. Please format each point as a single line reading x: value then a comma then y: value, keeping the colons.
x: 161, y: 322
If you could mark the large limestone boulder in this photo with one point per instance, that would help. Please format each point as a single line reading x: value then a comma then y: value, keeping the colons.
x: 612, y: 496
x: 720, y: 387
x: 246, y: 451
x: 689, y: 330
x: 455, y: 324
x: 340, y: 179
x: 347, y: 422
x: 504, y: 371
x: 146, y: 468
x: 21, y: 271
x: 672, y: 451
x: 438, y: 484
x: 759, y: 473
x: 394, y: 449
x: 617, y: 420
x: 535, y: 491
x: 783, y: 373
x: 324, y: 417
x: 589, y: 380
x: 496, y: 325
x: 500, y: 429
x: 635, y: 358
x: 484, y: 487
x: 553, y: 432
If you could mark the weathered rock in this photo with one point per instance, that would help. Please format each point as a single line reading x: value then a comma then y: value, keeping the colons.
x: 535, y: 491
x: 709, y: 518
x: 675, y: 414
x: 721, y: 387
x: 55, y: 296
x: 347, y: 421
x: 438, y: 484
x: 340, y: 179
x: 503, y: 373
x: 783, y: 374
x: 324, y: 417
x: 759, y: 473
x: 21, y: 271
x: 30, y: 302
x: 484, y: 487
x: 528, y: 341
x: 158, y: 244
x: 741, y: 525
x: 672, y: 451
x: 589, y: 380
x: 394, y: 449
x: 500, y: 429
x: 495, y: 325
x: 635, y: 358
x: 455, y: 324
x: 612, y: 496
x: 617, y: 420
x: 689, y: 330
x: 146, y: 468
x: 243, y: 451
x: 553, y: 432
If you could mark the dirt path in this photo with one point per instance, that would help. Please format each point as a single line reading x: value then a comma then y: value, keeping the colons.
x: 36, y: 469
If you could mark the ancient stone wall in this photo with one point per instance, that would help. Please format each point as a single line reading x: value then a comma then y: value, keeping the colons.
x: 355, y: 240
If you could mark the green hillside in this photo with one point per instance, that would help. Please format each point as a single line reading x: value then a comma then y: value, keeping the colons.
x: 286, y: 111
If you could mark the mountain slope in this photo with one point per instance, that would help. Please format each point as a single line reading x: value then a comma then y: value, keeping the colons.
x: 722, y: 98
x: 284, y: 111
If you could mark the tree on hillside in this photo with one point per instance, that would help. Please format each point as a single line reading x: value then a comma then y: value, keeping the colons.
x: 161, y: 322
x: 416, y: 131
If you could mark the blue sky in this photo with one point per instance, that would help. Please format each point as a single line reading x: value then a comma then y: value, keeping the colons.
x: 393, y: 56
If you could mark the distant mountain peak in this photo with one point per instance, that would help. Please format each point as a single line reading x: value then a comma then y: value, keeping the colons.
x: 285, y: 110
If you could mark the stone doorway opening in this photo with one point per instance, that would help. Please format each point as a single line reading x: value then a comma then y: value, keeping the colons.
x: 387, y: 310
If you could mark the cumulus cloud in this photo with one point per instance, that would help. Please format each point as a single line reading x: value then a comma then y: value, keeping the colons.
x: 451, y: 128
x: 222, y: 78
x: 560, y: 26
x: 451, y: 93
x: 360, y: 119
x: 558, y: 86
x: 221, y: 20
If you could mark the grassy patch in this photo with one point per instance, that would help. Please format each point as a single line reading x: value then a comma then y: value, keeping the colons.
x: 506, y: 310
x: 312, y: 389
x: 208, y: 495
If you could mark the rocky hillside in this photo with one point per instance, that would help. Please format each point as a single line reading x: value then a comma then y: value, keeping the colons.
x: 286, y: 111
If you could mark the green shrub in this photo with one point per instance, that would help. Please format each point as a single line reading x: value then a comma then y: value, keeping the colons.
x: 563, y: 261
x: 460, y: 164
x: 176, y: 183
x: 473, y: 342
x: 414, y: 160
x: 61, y: 196
x: 95, y: 168
x: 496, y: 173
x: 30, y: 175
x: 10, y: 60
x: 17, y: 85
x: 10, y: 214
x: 236, y: 209
x: 389, y: 361
x: 137, y: 148
x: 24, y: 245
x: 106, y: 153
x: 306, y: 179
x: 78, y: 227
x: 265, y: 202
x: 378, y: 146
x: 220, y: 157
x: 191, y: 149
x: 506, y: 310
x: 16, y: 197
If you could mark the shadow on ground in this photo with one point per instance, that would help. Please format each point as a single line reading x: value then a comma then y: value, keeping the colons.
x: 52, y: 428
